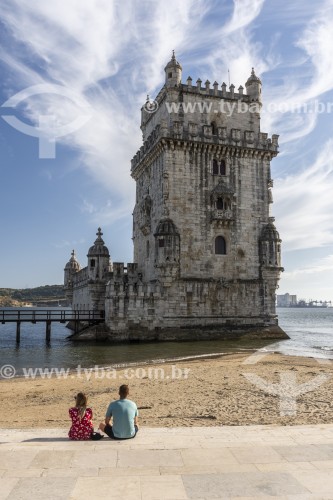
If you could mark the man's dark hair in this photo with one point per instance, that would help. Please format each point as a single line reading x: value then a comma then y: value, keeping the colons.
x: 123, y: 391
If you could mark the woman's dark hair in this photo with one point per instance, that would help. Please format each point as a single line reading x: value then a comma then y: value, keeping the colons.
x: 81, y: 403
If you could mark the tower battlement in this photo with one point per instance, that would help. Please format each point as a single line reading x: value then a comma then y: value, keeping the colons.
x: 224, y: 141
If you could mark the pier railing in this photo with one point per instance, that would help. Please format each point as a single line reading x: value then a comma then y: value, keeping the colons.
x: 49, y: 316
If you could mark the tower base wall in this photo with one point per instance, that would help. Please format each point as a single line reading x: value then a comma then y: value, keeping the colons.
x: 179, y: 334
x: 189, y: 309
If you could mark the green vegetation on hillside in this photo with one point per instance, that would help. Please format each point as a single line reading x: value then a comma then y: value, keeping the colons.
x: 41, y: 294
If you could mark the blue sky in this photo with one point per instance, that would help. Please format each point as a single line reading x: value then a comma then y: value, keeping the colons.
x: 110, y: 55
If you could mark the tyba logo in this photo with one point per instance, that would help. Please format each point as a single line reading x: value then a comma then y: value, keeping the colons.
x: 47, y: 130
x: 287, y: 389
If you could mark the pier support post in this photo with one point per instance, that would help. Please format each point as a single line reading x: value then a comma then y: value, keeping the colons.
x: 48, y: 331
x: 18, y: 331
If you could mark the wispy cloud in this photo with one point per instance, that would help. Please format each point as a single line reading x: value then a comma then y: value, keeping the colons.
x: 245, y: 11
x: 107, y: 213
x: 310, y: 281
x: 111, y: 57
x: 67, y: 243
x: 305, y: 77
x: 316, y: 41
x: 305, y: 204
x: 319, y: 266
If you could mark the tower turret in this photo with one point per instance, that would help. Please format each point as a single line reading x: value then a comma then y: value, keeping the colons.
x: 270, y: 246
x: 98, y: 258
x: 167, y: 245
x: 71, y: 268
x: 173, y: 72
x: 253, y: 87
x: 270, y: 260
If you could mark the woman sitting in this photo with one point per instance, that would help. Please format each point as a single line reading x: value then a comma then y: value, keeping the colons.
x: 82, y: 426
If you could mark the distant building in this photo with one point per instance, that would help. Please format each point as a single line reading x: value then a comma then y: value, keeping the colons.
x: 207, y: 253
x: 286, y: 300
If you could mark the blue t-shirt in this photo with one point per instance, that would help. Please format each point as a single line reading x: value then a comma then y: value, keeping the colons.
x: 122, y: 412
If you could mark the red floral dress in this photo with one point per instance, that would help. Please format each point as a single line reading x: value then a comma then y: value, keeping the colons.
x: 81, y: 429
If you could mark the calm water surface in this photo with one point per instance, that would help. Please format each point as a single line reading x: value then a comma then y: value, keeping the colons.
x: 310, y: 331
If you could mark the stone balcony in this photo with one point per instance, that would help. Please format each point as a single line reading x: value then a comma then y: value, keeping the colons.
x: 223, y: 217
x: 223, y: 214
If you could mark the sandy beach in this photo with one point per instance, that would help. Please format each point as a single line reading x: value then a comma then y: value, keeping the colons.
x: 207, y: 392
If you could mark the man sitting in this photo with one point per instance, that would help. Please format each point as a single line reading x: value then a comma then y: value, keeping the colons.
x: 124, y: 414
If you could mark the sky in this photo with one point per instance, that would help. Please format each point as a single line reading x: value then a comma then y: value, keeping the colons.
x: 83, y: 68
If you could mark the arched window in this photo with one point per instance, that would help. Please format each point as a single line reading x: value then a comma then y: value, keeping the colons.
x: 220, y: 246
x: 214, y: 128
x: 222, y: 167
x: 219, y: 204
x: 215, y: 167
x: 92, y: 263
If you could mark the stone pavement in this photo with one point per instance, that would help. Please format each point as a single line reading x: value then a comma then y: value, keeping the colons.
x: 257, y: 462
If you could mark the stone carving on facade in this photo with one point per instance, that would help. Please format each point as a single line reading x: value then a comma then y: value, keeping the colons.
x: 222, y: 203
x: 145, y: 215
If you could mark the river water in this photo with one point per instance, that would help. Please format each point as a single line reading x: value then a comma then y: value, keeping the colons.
x: 310, y: 331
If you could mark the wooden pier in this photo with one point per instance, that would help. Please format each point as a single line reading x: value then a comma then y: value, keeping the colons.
x: 48, y: 317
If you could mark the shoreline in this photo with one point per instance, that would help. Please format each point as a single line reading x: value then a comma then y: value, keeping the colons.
x: 157, y: 361
x: 122, y: 366
x: 216, y: 391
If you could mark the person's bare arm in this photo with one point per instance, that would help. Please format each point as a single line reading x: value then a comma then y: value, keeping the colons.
x: 107, y: 420
x: 136, y: 421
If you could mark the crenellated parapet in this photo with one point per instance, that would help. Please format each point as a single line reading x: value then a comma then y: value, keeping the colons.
x: 192, y: 135
x: 127, y: 281
x: 200, y: 115
x: 81, y: 278
x: 131, y: 299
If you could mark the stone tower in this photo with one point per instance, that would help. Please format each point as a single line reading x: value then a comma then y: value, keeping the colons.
x: 207, y: 256
x: 202, y: 229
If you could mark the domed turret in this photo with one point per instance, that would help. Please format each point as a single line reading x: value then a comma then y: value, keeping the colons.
x: 98, y: 247
x: 73, y: 263
x: 98, y: 258
x: 270, y: 245
x: 253, y: 87
x: 166, y: 228
x: 173, y: 72
x: 71, y: 268
x: 270, y: 233
x: 167, y: 246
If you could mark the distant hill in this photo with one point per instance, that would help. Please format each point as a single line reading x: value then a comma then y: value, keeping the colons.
x: 39, y: 296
